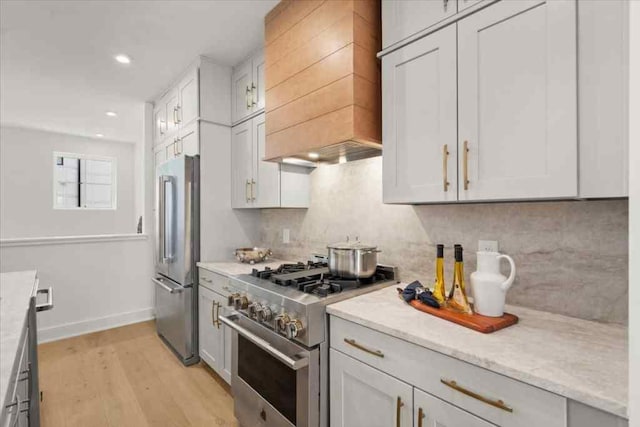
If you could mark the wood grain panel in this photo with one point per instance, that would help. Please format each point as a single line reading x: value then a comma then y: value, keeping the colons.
x: 303, y: 31
x: 335, y: 37
x: 365, y: 64
x: 329, y: 98
x: 370, y: 10
x: 367, y: 94
x: 330, y: 69
x: 367, y: 125
x: 365, y: 35
x: 329, y: 129
x: 285, y: 15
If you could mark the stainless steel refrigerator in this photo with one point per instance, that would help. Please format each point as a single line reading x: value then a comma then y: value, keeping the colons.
x: 177, y: 251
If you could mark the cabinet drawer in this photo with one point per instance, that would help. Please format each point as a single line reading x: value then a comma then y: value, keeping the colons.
x: 214, y: 281
x: 471, y: 388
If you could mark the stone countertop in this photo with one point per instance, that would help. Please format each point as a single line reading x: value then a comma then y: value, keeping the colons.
x: 235, y: 268
x: 581, y: 360
x: 16, y: 290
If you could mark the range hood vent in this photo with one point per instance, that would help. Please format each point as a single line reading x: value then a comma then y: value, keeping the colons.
x: 322, y: 81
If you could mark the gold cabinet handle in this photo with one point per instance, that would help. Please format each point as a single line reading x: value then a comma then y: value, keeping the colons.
x: 399, y: 405
x: 253, y: 196
x: 213, y: 312
x: 178, y: 114
x: 465, y: 164
x: 420, y: 416
x: 175, y: 115
x: 495, y: 403
x: 253, y: 95
x: 217, y: 322
x: 445, y: 157
x: 247, y: 189
x: 246, y: 97
x: 353, y: 343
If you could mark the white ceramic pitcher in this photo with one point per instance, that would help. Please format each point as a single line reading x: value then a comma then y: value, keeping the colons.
x: 489, y: 286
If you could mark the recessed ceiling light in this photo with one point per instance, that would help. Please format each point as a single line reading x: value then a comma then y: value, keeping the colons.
x: 111, y: 114
x: 123, y: 59
x: 314, y: 156
x: 99, y: 135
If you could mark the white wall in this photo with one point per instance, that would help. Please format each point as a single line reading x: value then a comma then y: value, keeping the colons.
x: 26, y: 186
x: 634, y: 215
x: 96, y: 285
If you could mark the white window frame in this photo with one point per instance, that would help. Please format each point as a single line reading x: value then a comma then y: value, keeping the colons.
x: 114, y: 180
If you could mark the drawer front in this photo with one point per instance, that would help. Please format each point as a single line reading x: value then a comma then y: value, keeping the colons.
x: 494, y: 397
x: 214, y: 281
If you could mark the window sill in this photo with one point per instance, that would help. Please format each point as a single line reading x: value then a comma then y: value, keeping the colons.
x: 63, y: 240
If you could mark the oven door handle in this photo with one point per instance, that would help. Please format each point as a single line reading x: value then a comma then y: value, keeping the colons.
x: 294, y: 364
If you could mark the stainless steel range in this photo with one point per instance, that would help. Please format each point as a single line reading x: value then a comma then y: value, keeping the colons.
x: 280, y: 341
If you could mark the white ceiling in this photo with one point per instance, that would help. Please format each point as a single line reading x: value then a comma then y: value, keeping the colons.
x: 57, y: 70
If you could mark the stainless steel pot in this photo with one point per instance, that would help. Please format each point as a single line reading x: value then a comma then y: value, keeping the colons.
x: 352, y: 260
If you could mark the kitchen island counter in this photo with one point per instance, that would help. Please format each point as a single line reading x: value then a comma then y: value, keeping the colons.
x: 581, y: 360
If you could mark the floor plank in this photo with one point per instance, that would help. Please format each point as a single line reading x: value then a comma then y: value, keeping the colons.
x: 127, y: 377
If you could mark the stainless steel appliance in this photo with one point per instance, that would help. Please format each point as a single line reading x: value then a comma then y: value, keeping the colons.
x: 177, y: 251
x: 280, y: 341
x: 353, y: 260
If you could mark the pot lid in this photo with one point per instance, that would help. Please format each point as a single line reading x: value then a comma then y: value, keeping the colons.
x: 356, y: 244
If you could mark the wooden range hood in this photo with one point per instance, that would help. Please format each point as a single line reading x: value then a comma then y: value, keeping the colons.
x: 322, y: 80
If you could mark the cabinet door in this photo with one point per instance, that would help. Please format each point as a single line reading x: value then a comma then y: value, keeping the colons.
x: 170, y: 105
x: 171, y: 149
x: 419, y: 120
x: 517, y: 101
x: 159, y: 155
x: 363, y: 396
x: 209, y: 330
x: 241, y: 91
x: 159, y: 123
x: 258, y: 81
x: 266, y: 175
x: 188, y: 143
x: 188, y: 108
x: 241, y: 165
x: 429, y: 411
x: 401, y: 19
x: 226, y: 334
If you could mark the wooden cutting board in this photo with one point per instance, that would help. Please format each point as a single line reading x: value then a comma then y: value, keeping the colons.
x: 477, y: 322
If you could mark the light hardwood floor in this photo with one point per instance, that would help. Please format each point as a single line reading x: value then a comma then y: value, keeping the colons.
x: 127, y: 377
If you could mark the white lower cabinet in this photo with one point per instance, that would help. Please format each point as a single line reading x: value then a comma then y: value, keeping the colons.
x: 363, y: 396
x: 429, y: 411
x: 214, y: 336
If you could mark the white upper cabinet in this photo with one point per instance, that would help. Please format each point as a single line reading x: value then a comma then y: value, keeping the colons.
x: 429, y: 411
x: 202, y: 92
x: 188, y: 108
x: 242, y: 161
x: 266, y: 175
x: 259, y: 184
x: 247, y: 88
x: 517, y: 83
x: 363, y: 396
x: 401, y: 19
x: 258, y: 88
x: 603, y: 85
x: 420, y: 120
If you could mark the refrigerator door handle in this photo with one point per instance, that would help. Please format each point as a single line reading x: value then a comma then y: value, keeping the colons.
x: 168, y: 288
x: 164, y: 255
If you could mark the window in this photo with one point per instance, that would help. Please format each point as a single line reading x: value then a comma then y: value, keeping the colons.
x: 83, y: 181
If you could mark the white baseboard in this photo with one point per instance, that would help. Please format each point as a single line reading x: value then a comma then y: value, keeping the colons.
x: 68, y: 330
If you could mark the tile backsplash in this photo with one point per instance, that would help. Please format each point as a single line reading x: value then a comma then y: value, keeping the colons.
x: 571, y: 256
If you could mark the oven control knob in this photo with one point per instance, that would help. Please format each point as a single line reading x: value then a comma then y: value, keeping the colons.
x: 282, y: 320
x: 241, y: 302
x: 232, y: 298
x: 294, y: 328
x: 254, y: 310
x: 265, y: 314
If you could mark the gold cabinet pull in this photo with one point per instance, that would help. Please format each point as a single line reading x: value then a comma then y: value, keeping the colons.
x: 217, y: 323
x: 399, y: 405
x: 495, y: 403
x: 253, y: 96
x: 247, y: 97
x: 247, y: 190
x: 253, y: 196
x: 465, y: 164
x: 353, y: 343
x: 445, y: 156
x: 420, y: 416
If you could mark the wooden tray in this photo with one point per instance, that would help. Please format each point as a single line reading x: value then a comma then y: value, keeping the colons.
x: 477, y: 322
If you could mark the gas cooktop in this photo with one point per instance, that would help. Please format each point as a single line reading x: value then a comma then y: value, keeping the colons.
x: 314, y: 278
